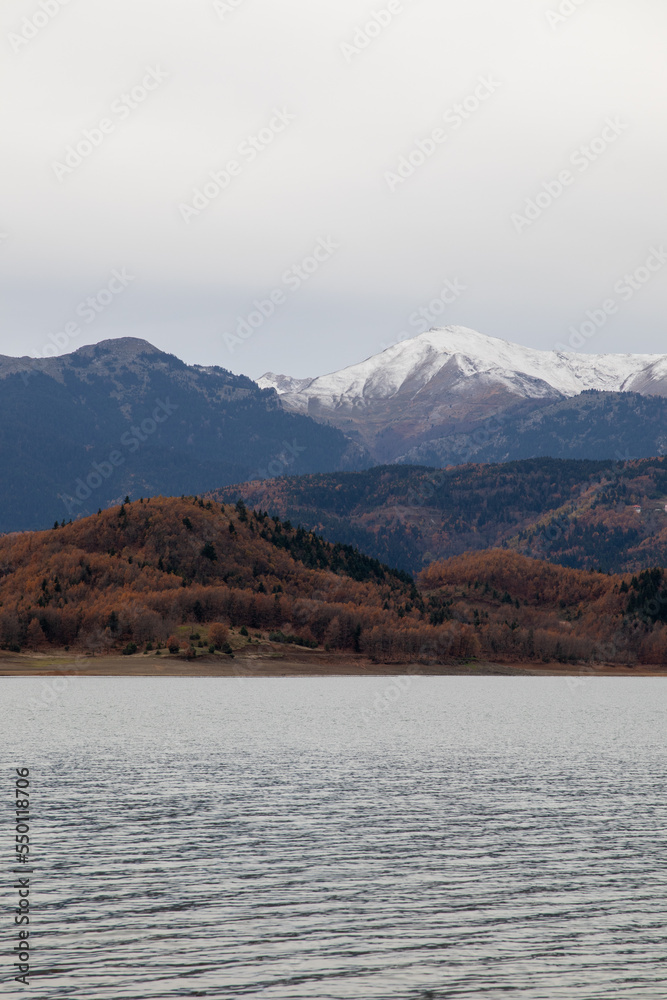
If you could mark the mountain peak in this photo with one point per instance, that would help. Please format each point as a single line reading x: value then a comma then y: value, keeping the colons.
x: 123, y: 348
x: 417, y: 361
x: 436, y: 383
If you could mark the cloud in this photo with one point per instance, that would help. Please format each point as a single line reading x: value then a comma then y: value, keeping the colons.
x: 228, y: 68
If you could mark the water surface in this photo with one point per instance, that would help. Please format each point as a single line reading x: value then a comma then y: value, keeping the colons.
x: 343, y: 838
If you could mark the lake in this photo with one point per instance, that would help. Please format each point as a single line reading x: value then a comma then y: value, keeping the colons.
x: 413, y: 838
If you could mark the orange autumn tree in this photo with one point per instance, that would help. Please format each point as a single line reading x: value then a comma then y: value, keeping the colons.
x: 217, y: 634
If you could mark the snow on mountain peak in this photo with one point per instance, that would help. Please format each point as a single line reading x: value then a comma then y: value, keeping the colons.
x: 407, y: 367
x: 282, y: 383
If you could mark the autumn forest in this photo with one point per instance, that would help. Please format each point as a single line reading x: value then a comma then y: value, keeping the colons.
x: 129, y: 578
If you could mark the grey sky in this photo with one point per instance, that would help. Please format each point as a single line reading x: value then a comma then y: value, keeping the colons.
x: 543, y: 90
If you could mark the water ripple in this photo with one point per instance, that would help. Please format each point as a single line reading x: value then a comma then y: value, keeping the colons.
x: 487, y: 839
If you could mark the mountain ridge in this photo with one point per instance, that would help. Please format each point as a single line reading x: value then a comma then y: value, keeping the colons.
x: 82, y: 430
x: 453, y: 380
x: 575, y: 513
x: 420, y: 358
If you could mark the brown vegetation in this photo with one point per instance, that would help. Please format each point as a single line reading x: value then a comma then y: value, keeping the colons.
x: 136, y: 575
x: 526, y: 609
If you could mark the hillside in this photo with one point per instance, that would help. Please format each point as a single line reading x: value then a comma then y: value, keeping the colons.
x: 81, y: 431
x: 182, y: 573
x: 550, y: 612
x: 135, y: 573
x: 574, y: 513
x: 594, y: 425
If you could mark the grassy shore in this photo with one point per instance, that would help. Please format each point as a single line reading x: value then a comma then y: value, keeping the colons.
x: 266, y: 660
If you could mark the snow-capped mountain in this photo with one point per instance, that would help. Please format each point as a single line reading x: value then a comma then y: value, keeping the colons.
x: 412, y: 364
x: 423, y: 387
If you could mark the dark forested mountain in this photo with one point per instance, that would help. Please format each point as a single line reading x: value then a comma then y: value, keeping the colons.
x: 576, y: 513
x: 81, y: 431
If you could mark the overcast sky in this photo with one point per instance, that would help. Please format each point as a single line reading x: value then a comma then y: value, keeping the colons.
x: 116, y: 111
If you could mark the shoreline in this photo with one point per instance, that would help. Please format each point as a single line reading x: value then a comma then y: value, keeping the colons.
x: 296, y: 663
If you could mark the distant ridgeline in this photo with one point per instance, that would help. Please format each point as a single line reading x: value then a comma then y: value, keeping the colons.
x: 576, y: 513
